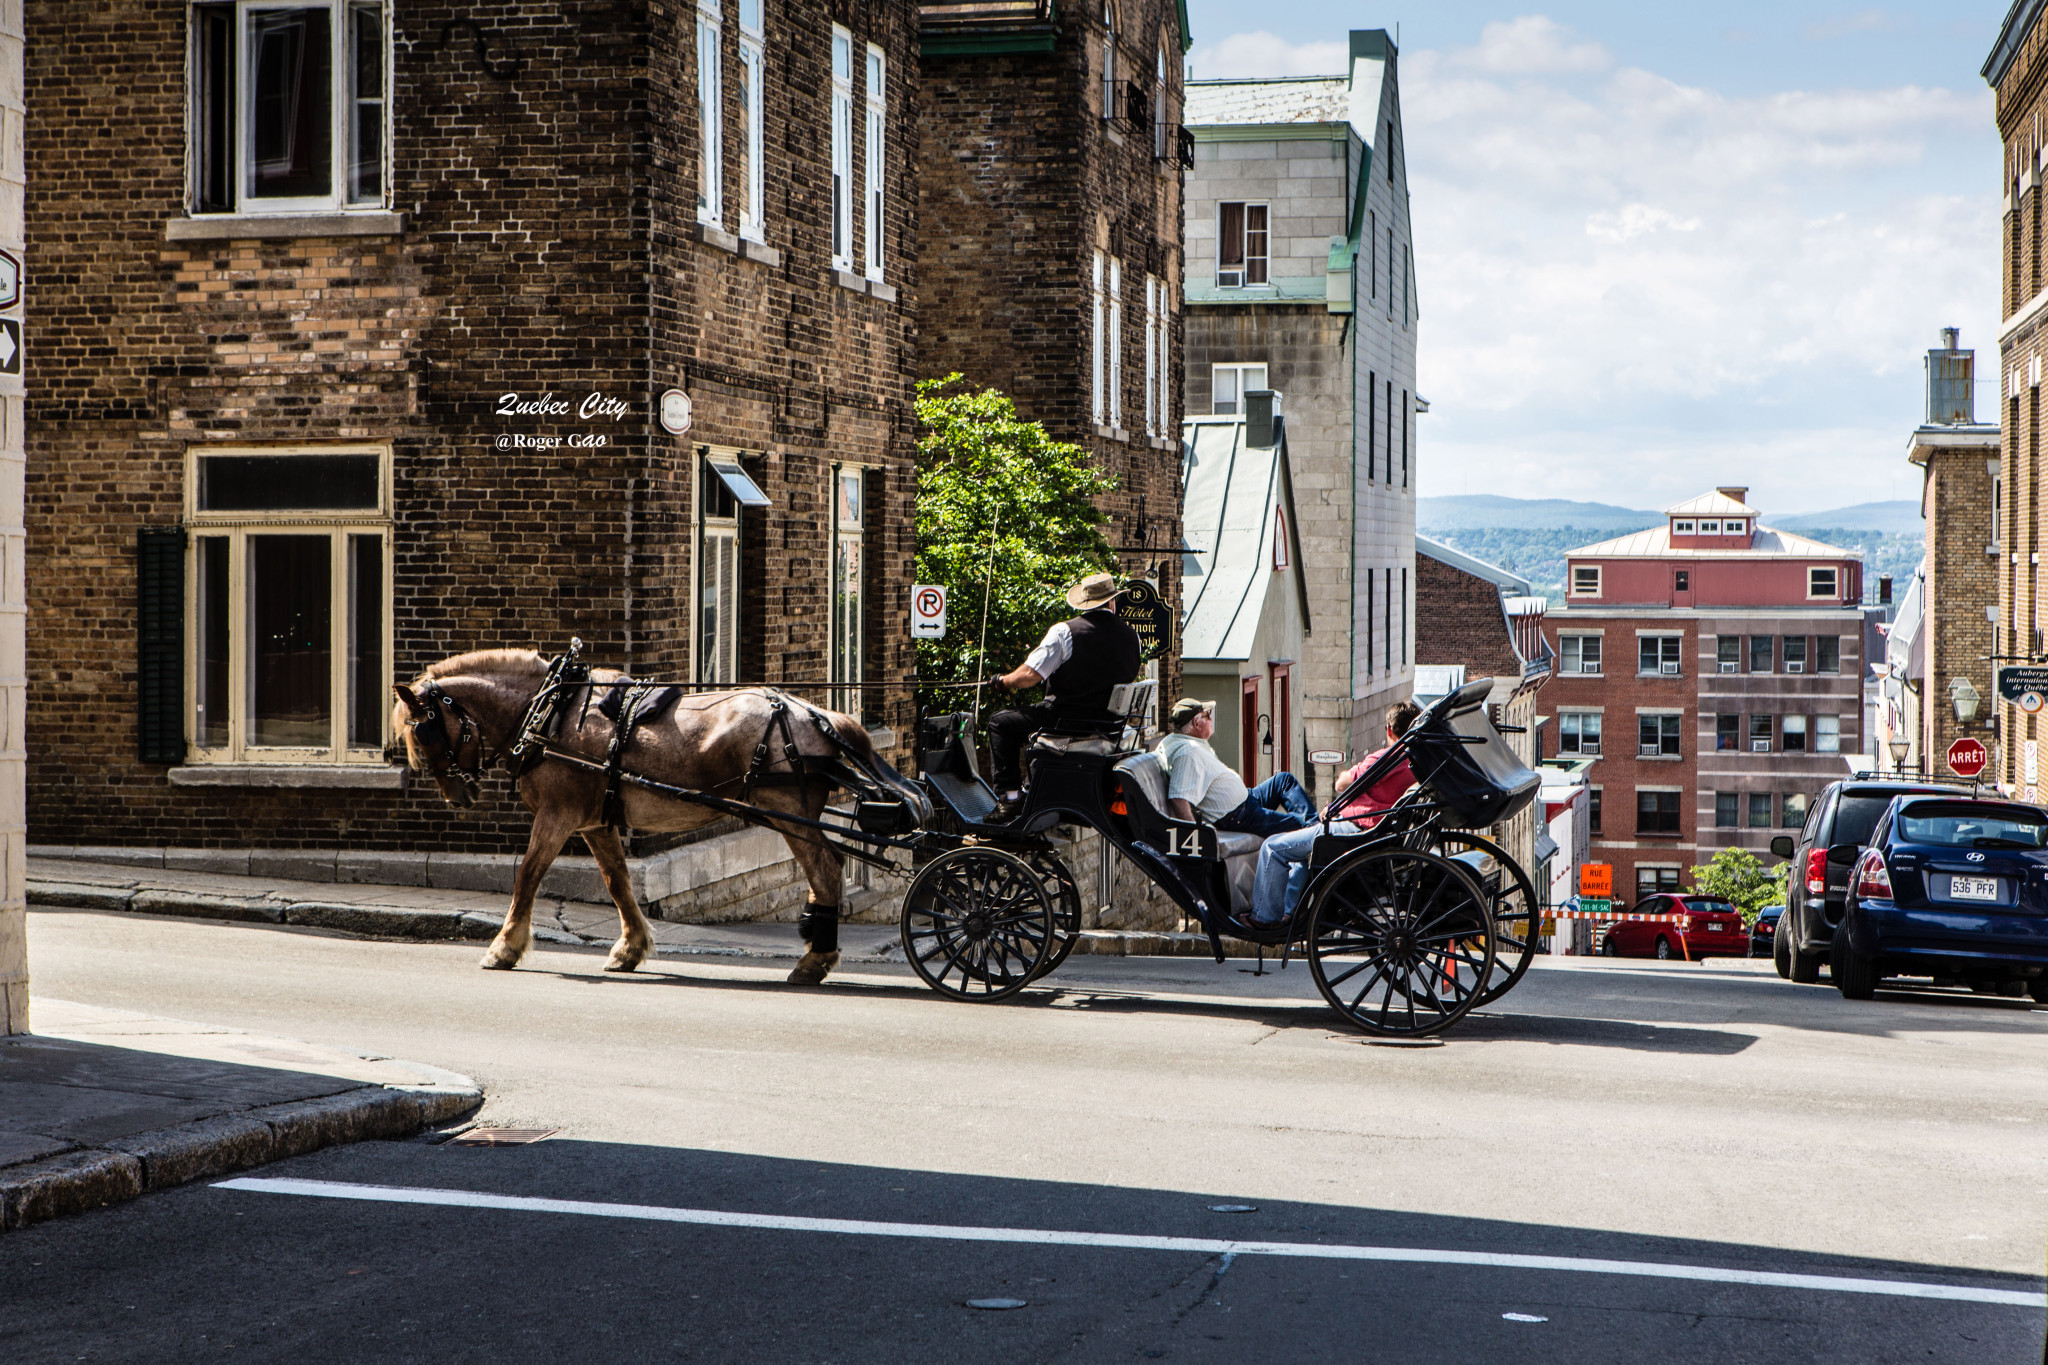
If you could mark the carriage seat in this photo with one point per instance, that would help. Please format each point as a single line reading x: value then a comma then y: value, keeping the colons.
x: 1144, y: 787
x: 1123, y: 723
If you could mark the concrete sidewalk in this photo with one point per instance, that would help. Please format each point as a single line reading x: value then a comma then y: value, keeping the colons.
x: 102, y: 1105
x: 421, y: 912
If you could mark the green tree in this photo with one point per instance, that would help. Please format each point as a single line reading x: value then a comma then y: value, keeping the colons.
x: 1736, y: 876
x: 1002, y: 504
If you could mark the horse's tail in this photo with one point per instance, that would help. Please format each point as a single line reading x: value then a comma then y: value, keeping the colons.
x: 852, y: 738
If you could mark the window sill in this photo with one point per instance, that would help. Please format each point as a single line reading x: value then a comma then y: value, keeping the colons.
x: 885, y: 292
x: 1162, y: 443
x: 710, y: 234
x: 848, y: 280
x: 1659, y: 834
x: 1660, y: 758
x: 247, y: 226
x: 360, y: 776
x: 1112, y: 433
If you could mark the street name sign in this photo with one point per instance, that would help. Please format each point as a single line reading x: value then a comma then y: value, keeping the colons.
x: 2024, y: 685
x: 1326, y: 756
x: 675, y: 412
x: 1967, y: 757
x: 927, y: 611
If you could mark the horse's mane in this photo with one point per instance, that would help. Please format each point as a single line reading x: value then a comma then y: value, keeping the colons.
x: 487, y: 661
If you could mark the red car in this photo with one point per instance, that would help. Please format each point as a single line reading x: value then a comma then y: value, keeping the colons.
x: 1706, y: 928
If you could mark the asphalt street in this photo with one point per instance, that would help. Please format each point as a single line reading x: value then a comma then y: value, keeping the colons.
x: 745, y: 1171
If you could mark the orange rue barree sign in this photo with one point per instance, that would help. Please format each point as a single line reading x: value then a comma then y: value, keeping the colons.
x: 1596, y: 881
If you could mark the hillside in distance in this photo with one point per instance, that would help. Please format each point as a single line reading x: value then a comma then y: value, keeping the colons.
x: 1471, y: 510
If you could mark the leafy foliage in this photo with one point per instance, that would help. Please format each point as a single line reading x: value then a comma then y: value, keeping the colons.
x: 999, y: 502
x: 1737, y: 876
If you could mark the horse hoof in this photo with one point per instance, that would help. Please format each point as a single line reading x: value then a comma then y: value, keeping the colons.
x: 499, y: 960
x: 625, y: 959
x: 813, y: 967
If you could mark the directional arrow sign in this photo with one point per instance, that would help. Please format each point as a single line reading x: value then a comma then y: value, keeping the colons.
x: 10, y: 346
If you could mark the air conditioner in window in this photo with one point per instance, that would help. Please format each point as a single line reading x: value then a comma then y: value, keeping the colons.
x: 1795, y: 668
x: 1727, y: 667
x: 1759, y: 746
x: 1671, y: 669
x: 1230, y: 279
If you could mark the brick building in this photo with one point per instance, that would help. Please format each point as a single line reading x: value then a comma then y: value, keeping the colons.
x: 2017, y: 70
x: 1050, y: 206
x: 1300, y: 279
x: 356, y: 317
x: 1488, y: 623
x: 1712, y: 667
x: 1943, y: 634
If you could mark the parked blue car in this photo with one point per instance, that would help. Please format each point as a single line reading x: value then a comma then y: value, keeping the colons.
x: 1950, y: 887
x: 1763, y: 935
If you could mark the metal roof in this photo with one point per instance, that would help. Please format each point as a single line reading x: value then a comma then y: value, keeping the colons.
x: 1299, y: 99
x: 1714, y: 504
x: 1229, y: 492
x: 2012, y: 35
x: 1764, y: 542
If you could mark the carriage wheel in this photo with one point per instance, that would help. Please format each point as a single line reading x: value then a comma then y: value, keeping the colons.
x: 1517, y: 915
x: 1065, y: 892
x: 978, y: 923
x: 1400, y: 942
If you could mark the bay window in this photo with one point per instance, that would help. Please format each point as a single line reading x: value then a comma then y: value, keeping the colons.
x: 289, y: 603
x: 289, y: 105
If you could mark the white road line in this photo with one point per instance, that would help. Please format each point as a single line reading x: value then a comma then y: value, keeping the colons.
x: 855, y: 1227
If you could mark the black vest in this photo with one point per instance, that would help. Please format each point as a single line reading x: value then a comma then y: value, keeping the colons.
x: 1106, y: 653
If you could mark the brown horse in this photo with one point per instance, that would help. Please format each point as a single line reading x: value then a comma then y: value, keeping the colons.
x: 703, y: 742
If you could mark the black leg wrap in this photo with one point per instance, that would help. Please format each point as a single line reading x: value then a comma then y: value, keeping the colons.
x: 819, y: 927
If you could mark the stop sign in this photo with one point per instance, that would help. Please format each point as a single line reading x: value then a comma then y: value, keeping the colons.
x: 1966, y: 758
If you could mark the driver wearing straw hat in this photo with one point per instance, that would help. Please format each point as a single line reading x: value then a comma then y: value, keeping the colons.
x: 1080, y: 661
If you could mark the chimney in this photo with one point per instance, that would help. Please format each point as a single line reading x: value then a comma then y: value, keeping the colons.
x: 1740, y: 495
x: 1950, y: 401
x: 1884, y: 590
x: 1261, y: 416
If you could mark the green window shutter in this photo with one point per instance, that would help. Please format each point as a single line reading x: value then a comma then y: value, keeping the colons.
x: 160, y: 643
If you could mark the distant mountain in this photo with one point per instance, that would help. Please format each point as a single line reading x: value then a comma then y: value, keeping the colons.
x: 1901, y: 518
x: 1474, y: 510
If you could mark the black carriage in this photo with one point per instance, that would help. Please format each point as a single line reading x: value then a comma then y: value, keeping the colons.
x: 1406, y: 927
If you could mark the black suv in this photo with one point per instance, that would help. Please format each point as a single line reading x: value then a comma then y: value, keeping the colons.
x: 1837, y: 830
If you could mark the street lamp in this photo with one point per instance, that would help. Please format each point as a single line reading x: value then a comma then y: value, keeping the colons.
x: 1898, y: 744
x: 1964, y: 698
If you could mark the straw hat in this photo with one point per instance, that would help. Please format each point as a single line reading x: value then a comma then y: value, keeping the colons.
x: 1096, y: 590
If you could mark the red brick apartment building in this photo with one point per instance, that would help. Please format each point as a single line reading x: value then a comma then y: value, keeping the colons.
x: 353, y: 318
x: 1713, y: 668
x: 1050, y: 206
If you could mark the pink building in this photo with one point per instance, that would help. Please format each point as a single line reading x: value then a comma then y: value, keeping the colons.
x: 1712, y: 667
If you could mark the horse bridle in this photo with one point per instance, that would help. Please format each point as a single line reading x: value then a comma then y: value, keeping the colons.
x: 434, y: 726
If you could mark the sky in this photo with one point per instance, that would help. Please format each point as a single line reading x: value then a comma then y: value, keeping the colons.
x: 1665, y: 247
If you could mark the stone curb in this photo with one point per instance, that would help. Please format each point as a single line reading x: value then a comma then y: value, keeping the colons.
x: 381, y: 921
x: 129, y: 1167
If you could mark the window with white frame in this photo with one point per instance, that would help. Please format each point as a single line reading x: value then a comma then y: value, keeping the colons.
x: 1228, y: 384
x: 1585, y: 580
x: 842, y: 149
x: 1657, y: 736
x: 753, y: 137
x: 847, y: 521
x: 290, y: 106
x: 1116, y: 342
x: 1578, y: 732
x: 1164, y: 349
x: 1579, y: 653
x: 1710, y: 528
x: 1827, y: 734
x: 1681, y: 528
x: 1281, y: 557
x: 877, y: 160
x: 710, y: 113
x: 1659, y: 654
x: 1242, y: 237
x: 1794, y: 730
x: 1098, y: 387
x: 1820, y: 582
x: 718, y: 569
x: 290, y: 604
x: 1151, y: 355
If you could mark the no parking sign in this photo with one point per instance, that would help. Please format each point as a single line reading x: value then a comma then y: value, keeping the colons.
x: 927, y: 611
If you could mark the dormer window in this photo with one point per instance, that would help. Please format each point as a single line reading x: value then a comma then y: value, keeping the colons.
x: 1710, y: 528
x: 1734, y: 528
x: 1682, y: 528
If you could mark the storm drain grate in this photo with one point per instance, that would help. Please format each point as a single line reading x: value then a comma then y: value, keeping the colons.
x: 500, y: 1137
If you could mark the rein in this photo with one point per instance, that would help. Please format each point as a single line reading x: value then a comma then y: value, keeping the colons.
x: 435, y: 726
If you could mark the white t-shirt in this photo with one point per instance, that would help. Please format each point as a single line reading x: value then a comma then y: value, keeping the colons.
x: 1055, y: 649
x: 1195, y: 775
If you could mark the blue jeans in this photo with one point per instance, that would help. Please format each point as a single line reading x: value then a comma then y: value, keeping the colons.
x: 1274, y: 806
x: 1283, y: 870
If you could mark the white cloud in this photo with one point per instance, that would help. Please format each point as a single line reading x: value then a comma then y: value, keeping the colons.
x: 1264, y: 54
x: 1531, y: 46
x: 1632, y: 288
x: 1842, y: 25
